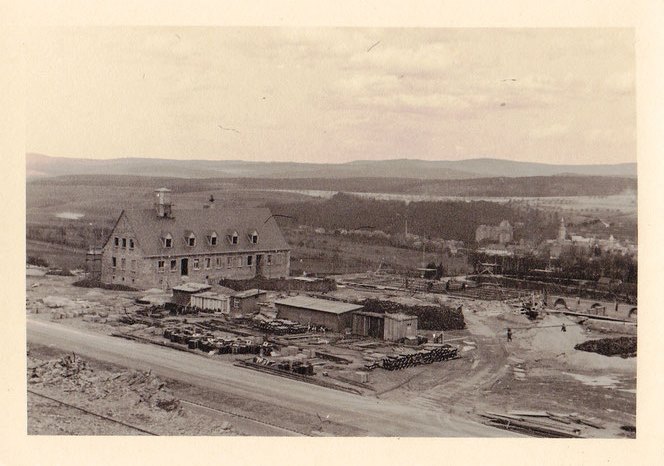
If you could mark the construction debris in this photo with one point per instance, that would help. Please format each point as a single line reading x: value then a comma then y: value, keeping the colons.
x: 72, y: 374
x: 208, y: 343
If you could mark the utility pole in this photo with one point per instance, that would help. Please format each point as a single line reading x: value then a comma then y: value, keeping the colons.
x: 424, y: 264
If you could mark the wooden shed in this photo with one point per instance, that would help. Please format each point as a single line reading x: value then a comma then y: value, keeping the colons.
x: 369, y: 324
x: 247, y: 302
x: 399, y: 325
x: 210, y: 301
x: 391, y: 327
x: 334, y: 315
x: 182, y: 294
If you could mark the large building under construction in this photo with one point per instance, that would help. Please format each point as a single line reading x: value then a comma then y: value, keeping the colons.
x: 165, y: 247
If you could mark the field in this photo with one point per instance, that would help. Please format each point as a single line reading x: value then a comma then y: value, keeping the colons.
x: 315, y: 253
x: 56, y: 255
x: 102, y: 203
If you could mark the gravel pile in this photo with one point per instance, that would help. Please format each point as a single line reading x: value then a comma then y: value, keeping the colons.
x: 624, y: 347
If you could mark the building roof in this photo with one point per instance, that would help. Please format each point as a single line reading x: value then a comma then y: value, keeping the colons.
x: 192, y: 287
x: 210, y: 294
x: 249, y: 293
x: 370, y: 314
x: 323, y: 305
x: 400, y: 316
x: 150, y: 229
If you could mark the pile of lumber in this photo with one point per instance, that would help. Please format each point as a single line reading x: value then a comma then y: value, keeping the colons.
x: 541, y: 423
x: 402, y: 361
x: 333, y: 357
x: 280, y: 327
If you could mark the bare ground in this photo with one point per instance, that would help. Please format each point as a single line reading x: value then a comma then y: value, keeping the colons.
x: 538, y: 370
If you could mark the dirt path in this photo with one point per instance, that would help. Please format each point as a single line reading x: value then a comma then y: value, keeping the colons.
x: 458, y: 385
x: 538, y: 370
x: 370, y: 415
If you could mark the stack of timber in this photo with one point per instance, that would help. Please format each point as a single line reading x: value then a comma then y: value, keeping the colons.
x: 280, y: 327
x: 426, y: 356
x: 541, y: 423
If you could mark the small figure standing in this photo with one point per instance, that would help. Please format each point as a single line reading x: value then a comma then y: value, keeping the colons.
x: 563, y: 328
x: 509, y: 334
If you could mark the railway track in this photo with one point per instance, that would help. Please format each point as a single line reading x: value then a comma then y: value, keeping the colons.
x: 185, y: 402
x: 91, y: 413
x: 244, y: 417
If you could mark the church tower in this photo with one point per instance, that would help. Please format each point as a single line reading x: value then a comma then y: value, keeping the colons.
x: 562, y: 231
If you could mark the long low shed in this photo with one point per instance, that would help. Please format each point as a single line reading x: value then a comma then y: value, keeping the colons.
x: 334, y: 315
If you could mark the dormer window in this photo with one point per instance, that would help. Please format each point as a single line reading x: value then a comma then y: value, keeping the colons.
x: 233, y: 237
x: 253, y: 237
x: 191, y: 239
x: 212, y: 239
x: 167, y: 240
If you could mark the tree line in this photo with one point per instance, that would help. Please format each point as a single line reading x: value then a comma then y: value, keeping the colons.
x: 456, y: 220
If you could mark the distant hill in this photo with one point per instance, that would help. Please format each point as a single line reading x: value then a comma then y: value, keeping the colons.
x: 39, y: 165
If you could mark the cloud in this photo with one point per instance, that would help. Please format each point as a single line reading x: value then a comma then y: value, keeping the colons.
x: 424, y: 59
x: 297, y: 92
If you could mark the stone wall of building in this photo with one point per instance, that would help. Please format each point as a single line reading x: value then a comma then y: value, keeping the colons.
x: 122, y: 260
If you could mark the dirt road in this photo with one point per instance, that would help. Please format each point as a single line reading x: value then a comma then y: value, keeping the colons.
x: 376, y: 417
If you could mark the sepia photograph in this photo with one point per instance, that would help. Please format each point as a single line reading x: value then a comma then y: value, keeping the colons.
x: 331, y: 232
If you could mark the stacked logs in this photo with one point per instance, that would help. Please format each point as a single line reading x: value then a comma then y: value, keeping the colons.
x: 402, y: 361
x: 281, y: 327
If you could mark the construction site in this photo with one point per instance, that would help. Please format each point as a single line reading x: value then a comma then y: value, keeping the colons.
x: 331, y: 357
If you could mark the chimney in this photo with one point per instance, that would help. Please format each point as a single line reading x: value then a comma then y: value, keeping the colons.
x: 162, y: 202
x: 210, y: 204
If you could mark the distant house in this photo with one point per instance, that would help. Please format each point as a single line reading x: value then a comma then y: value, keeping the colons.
x: 502, y: 234
x: 608, y: 283
x: 165, y: 247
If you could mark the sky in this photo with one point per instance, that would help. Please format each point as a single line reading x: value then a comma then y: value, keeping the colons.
x: 332, y: 95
